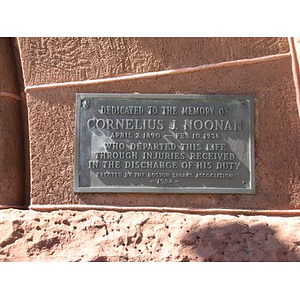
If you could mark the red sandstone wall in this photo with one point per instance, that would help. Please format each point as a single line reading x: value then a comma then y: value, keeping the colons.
x: 264, y: 67
x: 57, y: 68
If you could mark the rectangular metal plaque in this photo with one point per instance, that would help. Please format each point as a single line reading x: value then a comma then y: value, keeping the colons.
x: 154, y: 143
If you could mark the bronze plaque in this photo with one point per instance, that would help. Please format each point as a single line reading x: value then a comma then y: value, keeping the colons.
x: 155, y: 143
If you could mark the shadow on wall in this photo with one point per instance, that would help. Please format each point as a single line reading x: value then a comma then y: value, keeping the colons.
x: 238, y: 242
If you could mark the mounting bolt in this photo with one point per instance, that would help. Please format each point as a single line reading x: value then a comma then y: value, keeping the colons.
x: 244, y: 182
x: 86, y: 104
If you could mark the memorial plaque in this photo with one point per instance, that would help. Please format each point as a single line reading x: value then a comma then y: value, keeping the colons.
x: 154, y: 143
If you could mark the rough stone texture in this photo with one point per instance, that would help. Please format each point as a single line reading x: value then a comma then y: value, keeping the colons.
x: 145, y: 236
x: 11, y: 131
x: 277, y: 137
x: 48, y: 60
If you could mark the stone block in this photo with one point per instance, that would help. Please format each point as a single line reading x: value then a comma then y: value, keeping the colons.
x: 109, y: 236
x: 8, y: 74
x: 11, y: 153
x: 52, y: 134
x: 11, y: 131
x: 50, y: 60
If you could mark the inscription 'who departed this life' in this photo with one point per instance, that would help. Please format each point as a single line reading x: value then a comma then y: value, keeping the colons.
x: 164, y: 143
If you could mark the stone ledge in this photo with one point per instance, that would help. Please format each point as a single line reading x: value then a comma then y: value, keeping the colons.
x: 121, y: 209
x: 109, y: 236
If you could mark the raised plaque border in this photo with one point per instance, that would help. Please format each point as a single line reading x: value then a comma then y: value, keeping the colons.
x: 170, y: 190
